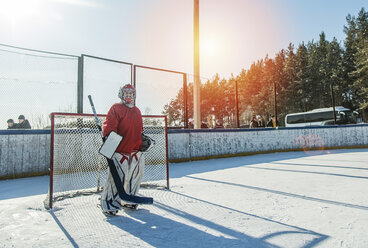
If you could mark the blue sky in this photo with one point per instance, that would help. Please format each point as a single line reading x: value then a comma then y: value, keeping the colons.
x: 158, y: 33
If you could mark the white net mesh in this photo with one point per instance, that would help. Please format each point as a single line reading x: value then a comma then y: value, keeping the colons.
x: 77, y: 166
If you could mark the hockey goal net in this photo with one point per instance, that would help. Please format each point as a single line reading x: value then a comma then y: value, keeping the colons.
x: 77, y: 168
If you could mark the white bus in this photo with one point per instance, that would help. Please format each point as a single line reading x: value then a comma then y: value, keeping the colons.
x: 320, y: 117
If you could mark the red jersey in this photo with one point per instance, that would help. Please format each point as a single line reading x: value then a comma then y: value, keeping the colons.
x: 127, y: 122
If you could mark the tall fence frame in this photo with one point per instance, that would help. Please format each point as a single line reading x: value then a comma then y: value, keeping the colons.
x: 81, y: 82
x: 81, y: 67
x: 185, y: 85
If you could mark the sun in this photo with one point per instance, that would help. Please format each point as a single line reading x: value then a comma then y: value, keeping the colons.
x: 210, y: 47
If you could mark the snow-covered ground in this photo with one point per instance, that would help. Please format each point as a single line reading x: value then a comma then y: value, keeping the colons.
x: 292, y: 199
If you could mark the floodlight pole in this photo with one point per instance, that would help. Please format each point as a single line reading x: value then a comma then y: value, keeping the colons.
x: 275, y: 99
x: 185, y: 95
x: 196, y: 88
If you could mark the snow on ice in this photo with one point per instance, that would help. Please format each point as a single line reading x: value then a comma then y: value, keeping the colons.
x: 294, y: 199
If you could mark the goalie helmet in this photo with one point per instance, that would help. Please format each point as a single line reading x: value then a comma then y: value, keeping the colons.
x: 127, y: 95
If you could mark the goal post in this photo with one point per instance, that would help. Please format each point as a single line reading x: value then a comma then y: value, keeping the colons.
x: 77, y: 168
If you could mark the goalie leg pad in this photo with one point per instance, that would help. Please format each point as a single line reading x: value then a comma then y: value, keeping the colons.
x: 136, y: 170
x: 130, y: 169
x: 110, y: 200
x: 133, y: 167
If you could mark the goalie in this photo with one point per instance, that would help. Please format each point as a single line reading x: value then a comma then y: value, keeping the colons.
x: 125, y: 119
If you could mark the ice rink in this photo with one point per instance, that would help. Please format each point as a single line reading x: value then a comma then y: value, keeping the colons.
x: 294, y: 199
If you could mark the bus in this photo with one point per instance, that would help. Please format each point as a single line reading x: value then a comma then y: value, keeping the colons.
x: 321, y: 117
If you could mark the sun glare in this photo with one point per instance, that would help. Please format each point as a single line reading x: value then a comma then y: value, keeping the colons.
x: 16, y: 11
x: 210, y: 48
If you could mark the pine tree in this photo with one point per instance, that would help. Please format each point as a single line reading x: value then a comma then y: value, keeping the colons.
x: 303, y: 84
x: 281, y: 85
x: 175, y: 110
x: 290, y: 91
x: 317, y: 70
x: 334, y: 69
x: 348, y: 64
x: 361, y: 71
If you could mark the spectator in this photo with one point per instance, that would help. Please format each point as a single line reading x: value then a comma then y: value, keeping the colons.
x: 11, y: 124
x: 219, y: 124
x: 273, y: 122
x: 260, y: 121
x: 191, y: 123
x: 204, y: 125
x: 23, y: 123
x: 253, y: 122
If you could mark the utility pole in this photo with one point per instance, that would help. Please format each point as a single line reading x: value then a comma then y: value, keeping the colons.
x: 197, y: 83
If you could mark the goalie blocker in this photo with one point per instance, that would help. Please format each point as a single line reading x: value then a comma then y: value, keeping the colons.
x: 110, y: 145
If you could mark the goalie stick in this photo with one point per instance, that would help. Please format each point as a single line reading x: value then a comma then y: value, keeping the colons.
x: 119, y: 186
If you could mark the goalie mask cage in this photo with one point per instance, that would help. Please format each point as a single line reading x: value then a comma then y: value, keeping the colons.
x: 77, y: 168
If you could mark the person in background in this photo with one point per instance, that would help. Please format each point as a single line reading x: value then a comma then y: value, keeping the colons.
x: 204, y: 125
x: 260, y: 121
x: 273, y: 122
x: 253, y: 122
x: 219, y: 124
x: 11, y: 124
x: 23, y: 123
x: 191, y: 123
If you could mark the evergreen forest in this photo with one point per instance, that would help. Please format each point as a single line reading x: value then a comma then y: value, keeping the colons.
x: 304, y: 76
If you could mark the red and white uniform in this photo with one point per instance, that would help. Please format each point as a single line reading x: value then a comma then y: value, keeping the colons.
x: 129, y: 162
x: 126, y: 122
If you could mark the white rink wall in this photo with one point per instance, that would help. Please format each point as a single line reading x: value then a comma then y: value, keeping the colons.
x: 203, y: 144
x: 24, y: 153
x: 27, y: 152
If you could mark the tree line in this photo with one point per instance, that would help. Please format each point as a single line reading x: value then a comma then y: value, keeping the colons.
x: 304, y: 78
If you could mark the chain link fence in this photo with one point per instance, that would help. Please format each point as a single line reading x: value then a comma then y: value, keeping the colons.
x: 161, y: 91
x: 34, y: 84
x: 102, y: 79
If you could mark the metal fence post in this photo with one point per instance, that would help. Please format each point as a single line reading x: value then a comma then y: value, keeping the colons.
x: 237, y: 104
x: 134, y: 77
x: 80, y: 85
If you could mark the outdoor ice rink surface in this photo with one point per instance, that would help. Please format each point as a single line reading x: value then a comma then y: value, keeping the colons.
x: 294, y: 199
